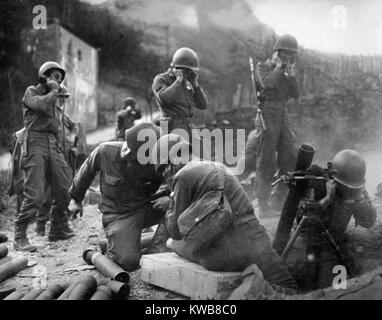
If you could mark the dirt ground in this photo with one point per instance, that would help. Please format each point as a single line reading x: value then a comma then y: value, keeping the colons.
x: 55, y: 258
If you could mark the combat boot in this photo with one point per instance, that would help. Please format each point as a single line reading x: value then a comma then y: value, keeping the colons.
x: 40, y: 228
x: 21, y: 242
x: 158, y: 243
x: 57, y: 233
x: 67, y: 228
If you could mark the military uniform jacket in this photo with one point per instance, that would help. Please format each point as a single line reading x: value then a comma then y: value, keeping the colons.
x: 176, y: 99
x: 197, y: 178
x: 47, y: 107
x: 275, y: 84
x: 123, y: 182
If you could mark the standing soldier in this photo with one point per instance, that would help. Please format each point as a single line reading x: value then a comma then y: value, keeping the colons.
x: 68, y: 129
x: 177, y: 91
x: 126, y: 116
x: 277, y: 82
x: 42, y: 159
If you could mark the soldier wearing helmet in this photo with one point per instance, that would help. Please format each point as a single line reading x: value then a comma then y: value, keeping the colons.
x: 127, y: 178
x: 177, y: 91
x: 42, y: 159
x: 126, y: 117
x: 275, y: 145
x: 339, y: 199
x: 198, y: 187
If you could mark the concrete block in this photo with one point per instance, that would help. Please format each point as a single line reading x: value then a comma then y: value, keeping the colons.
x: 174, y: 273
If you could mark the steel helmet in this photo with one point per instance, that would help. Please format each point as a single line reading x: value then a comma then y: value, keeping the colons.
x: 51, y: 65
x: 286, y: 42
x: 170, y: 148
x: 350, y: 169
x: 129, y: 102
x: 185, y: 58
x: 133, y: 140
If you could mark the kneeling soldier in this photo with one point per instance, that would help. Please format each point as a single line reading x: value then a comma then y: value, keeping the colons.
x: 198, y: 187
x: 313, y: 257
x: 126, y: 184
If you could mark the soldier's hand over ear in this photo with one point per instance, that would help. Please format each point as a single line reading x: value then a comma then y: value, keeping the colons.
x: 291, y: 68
x: 193, y: 77
x: 179, y: 75
x: 330, y: 194
x: 331, y: 187
x: 276, y: 61
x: 52, y: 84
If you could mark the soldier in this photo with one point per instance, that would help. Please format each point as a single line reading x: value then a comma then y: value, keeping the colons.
x: 125, y: 182
x: 339, y: 200
x: 277, y: 83
x: 70, y: 128
x: 197, y: 187
x: 42, y: 159
x: 126, y: 117
x: 177, y: 91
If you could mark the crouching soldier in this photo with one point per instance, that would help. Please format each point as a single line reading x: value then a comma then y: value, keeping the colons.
x: 313, y: 255
x: 126, y: 183
x: 42, y: 158
x: 210, y: 217
x: 126, y: 117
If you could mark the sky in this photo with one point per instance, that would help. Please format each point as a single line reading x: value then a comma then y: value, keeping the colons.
x: 342, y: 26
x: 347, y: 26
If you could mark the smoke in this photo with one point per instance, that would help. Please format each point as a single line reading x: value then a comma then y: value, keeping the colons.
x: 189, y: 17
x: 351, y: 27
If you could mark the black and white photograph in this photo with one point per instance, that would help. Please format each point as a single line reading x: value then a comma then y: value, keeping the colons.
x: 190, y: 154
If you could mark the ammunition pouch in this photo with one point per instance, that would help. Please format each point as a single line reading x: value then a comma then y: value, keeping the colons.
x: 22, y: 141
x: 20, y: 150
x: 15, y: 175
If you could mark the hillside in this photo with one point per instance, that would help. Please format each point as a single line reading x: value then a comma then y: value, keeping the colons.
x: 340, y: 95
